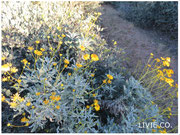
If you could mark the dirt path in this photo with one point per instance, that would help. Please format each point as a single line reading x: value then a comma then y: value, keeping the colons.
x: 138, y: 43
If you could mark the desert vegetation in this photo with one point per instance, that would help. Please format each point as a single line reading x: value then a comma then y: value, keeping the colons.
x: 59, y: 75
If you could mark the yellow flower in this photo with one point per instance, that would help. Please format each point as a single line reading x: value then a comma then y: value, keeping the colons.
x: 62, y: 85
x: 97, y: 107
x: 79, y: 65
x: 86, y: 56
x: 3, y: 98
x: 65, y: 66
x: 51, y: 48
x: 176, y: 85
x: 149, y: 65
x: 24, y: 119
x: 52, y: 97
x: 33, y: 107
x: 13, y: 104
x: 169, y: 109
x: 110, y: 76
x: 115, y: 43
x: 5, y: 79
x: 54, y: 64
x: 24, y: 61
x: 57, y: 98
x: 153, y: 130
x: 168, y: 59
x: 5, y: 67
x: 158, y: 127
x: 30, y: 48
x: 152, y: 54
x: 27, y: 124
x: 28, y: 103
x: 166, y: 63
x: 94, y: 57
x: 37, y: 42
x: 82, y: 48
x: 74, y: 90
x: 99, y: 13
x: 48, y: 36
x: 169, y: 81
x: 170, y: 114
x: 14, y: 69
x: 16, y: 97
x: 8, y: 124
x: 59, y: 28
x: 60, y: 54
x: 162, y: 58
x: 95, y: 101
x: 109, y: 81
x: 38, y: 93
x: 87, y: 106
x: 163, y: 131
x: 57, y: 107
x: 169, y: 72
x: 92, y: 75
x: 42, y: 49
x: 63, y: 35
x: 19, y: 81
x: 39, y: 53
x: 104, y: 81
x: 60, y: 42
x: 3, y: 58
x: 69, y: 74
x: 46, y: 101
x: 53, y: 93
x: 160, y: 73
x: 94, y: 95
x: 158, y: 60
x: 169, y: 117
x: 153, y: 120
x: 66, y: 61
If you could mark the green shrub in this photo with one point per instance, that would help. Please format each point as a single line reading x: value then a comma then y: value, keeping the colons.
x: 159, y: 15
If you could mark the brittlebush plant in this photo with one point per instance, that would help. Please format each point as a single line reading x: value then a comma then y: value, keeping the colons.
x: 59, y: 91
x: 156, y: 76
x: 37, y: 20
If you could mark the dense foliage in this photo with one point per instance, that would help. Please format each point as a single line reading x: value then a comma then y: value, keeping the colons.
x: 59, y: 75
x: 159, y: 15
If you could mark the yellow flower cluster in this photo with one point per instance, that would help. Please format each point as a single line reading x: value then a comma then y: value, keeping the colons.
x: 13, y: 70
x: 30, y: 48
x: 78, y: 65
x: 95, y: 105
x: 166, y: 61
x: 39, y: 53
x: 164, y: 73
x: 6, y: 67
x: 66, y: 61
x: 46, y: 101
x: 82, y: 48
x: 16, y: 99
x: 3, y: 58
x: 110, y: 77
x: 24, y: 61
x: 94, y: 57
x: 3, y: 98
x: 163, y: 131
x: 24, y: 119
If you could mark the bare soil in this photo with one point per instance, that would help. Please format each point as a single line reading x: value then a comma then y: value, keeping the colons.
x: 137, y: 42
